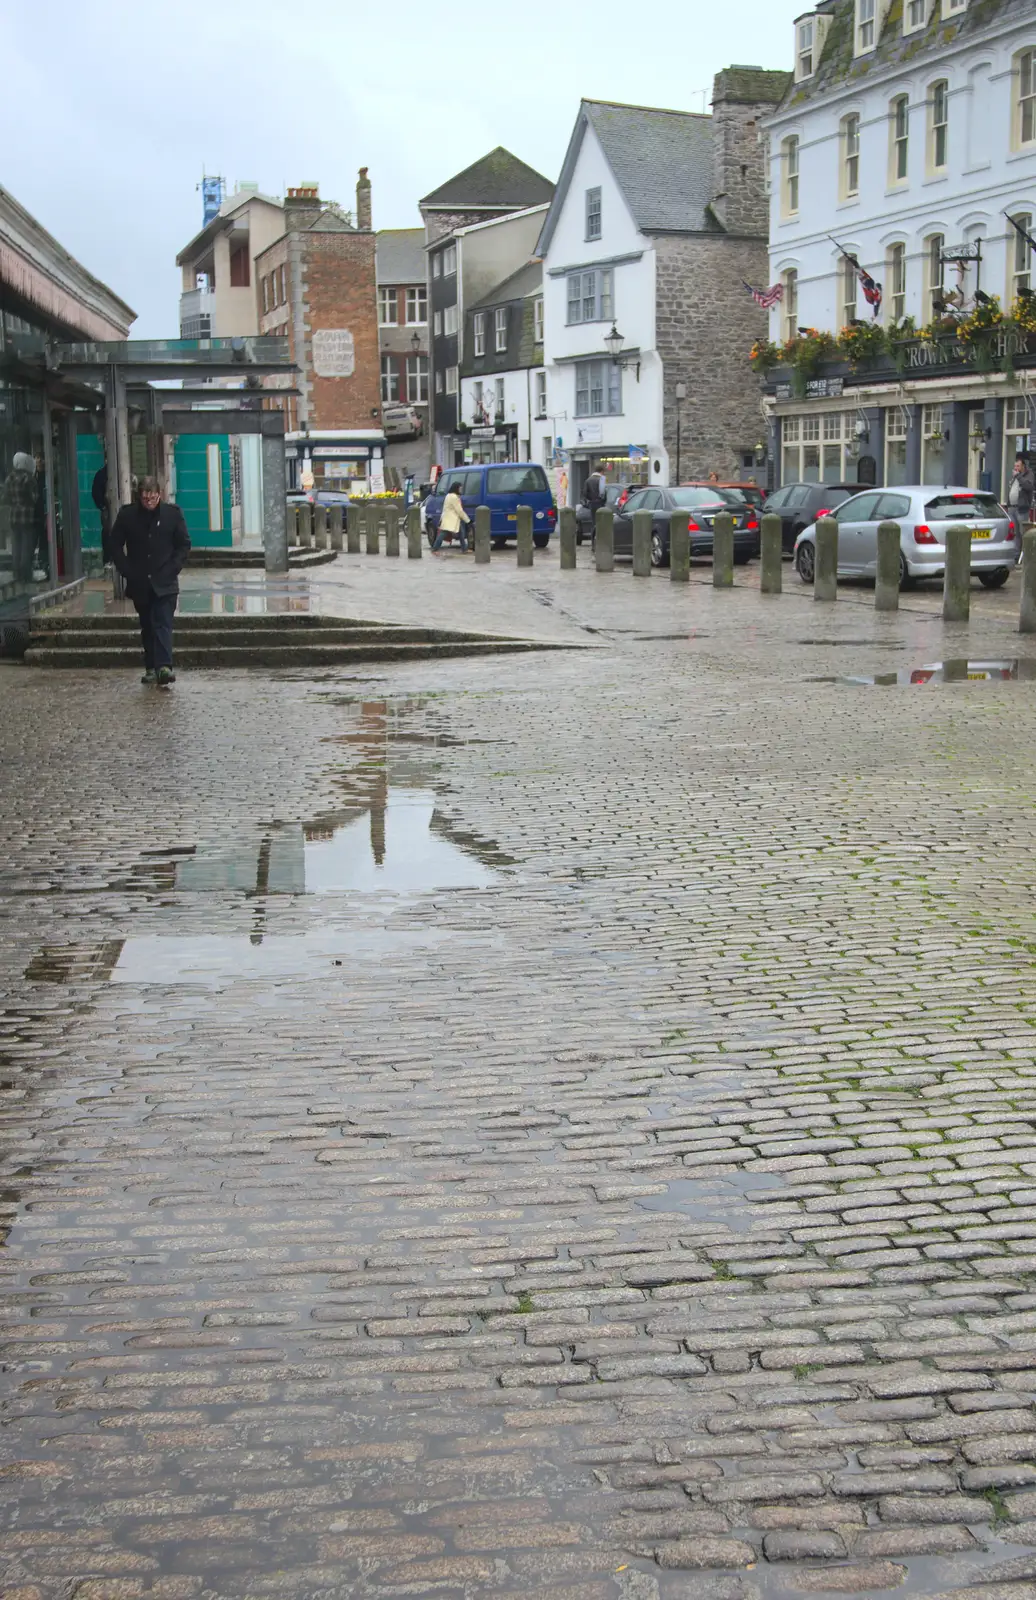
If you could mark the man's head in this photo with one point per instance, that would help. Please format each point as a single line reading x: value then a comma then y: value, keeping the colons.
x: 149, y: 493
x: 1019, y: 463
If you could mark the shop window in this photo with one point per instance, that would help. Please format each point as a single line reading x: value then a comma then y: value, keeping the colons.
x: 895, y: 445
x: 933, y: 446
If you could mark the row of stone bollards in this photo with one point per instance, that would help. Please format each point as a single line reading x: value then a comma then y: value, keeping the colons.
x: 355, y: 528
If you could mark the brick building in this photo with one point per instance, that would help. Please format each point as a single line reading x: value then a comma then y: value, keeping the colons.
x: 317, y: 285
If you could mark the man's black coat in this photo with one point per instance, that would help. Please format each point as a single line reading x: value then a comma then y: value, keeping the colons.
x: 149, y: 548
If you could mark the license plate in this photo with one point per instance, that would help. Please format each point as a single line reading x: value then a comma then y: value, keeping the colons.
x: 512, y: 516
x: 981, y: 533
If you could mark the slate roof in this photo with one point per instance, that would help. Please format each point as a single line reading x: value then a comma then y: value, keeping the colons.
x: 399, y: 255
x: 527, y: 280
x: 838, y: 66
x: 332, y: 220
x: 662, y: 161
x: 497, y: 179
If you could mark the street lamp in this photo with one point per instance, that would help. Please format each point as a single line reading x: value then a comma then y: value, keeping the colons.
x: 415, y: 342
x: 681, y: 395
x: 613, y: 344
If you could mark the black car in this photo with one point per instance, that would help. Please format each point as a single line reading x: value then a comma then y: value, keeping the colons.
x: 702, y: 507
x: 800, y: 504
x: 585, y: 517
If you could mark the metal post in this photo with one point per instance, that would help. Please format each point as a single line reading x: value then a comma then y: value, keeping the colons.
x: 956, y: 589
x: 1027, y: 614
x: 483, y: 521
x: 525, y: 536
x: 886, y: 579
x: 604, y: 539
x: 353, y: 528
x: 413, y: 534
x: 771, y: 574
x: 825, y: 564
x: 642, y: 544
x: 336, y: 527
x: 567, y: 526
x: 392, y: 530
x: 723, y: 551
x: 679, y: 548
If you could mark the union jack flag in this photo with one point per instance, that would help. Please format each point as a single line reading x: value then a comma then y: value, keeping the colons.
x: 767, y: 298
x: 871, y: 290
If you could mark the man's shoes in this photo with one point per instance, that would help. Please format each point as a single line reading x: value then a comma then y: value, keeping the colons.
x: 166, y: 677
x: 149, y: 676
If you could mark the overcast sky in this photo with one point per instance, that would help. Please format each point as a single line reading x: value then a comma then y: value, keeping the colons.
x: 111, y: 111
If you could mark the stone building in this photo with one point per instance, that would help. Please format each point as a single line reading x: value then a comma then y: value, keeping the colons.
x: 317, y: 285
x: 658, y: 218
x: 403, y: 317
x: 503, y: 384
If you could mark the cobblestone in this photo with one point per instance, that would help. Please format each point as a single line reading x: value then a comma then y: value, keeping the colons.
x: 650, y: 1216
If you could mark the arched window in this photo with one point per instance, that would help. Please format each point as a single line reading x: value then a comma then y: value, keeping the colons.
x: 895, y: 282
x: 790, y: 302
x: 1024, y: 78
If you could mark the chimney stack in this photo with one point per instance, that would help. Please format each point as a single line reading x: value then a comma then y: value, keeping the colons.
x: 302, y: 206
x: 363, y: 202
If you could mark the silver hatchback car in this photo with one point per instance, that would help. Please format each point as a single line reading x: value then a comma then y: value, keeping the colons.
x: 923, y: 513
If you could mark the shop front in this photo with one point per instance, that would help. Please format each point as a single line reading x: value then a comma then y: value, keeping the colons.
x: 346, y: 460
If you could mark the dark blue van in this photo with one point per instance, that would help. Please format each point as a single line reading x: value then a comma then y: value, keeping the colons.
x: 503, y: 486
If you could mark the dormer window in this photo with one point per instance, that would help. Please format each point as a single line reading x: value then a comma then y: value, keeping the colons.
x: 804, y: 37
x: 954, y: 8
x: 915, y: 16
x: 866, y: 25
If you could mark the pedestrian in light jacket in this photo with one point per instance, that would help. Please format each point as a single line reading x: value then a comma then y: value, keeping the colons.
x: 454, y: 519
x: 149, y: 544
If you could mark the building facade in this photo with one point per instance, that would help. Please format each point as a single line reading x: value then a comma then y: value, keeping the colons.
x: 218, y: 297
x: 480, y: 226
x: 902, y: 149
x: 503, y: 382
x: 658, y: 218
x: 47, y: 300
x: 403, y: 317
x: 317, y: 285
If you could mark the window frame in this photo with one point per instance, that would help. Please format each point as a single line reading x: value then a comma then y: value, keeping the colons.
x: 938, y: 98
x: 1019, y: 258
x: 603, y: 377
x: 452, y: 380
x: 389, y: 380
x: 266, y: 294
x: 896, y: 278
x: 417, y: 298
x: 541, y: 395
x: 500, y: 322
x: 850, y: 287
x: 386, y: 294
x: 790, y: 153
x: 866, y: 26
x: 899, y: 141
x: 499, y: 399
x: 593, y: 213
x: 284, y: 291
x: 909, y: 25
x: 450, y: 321
x: 437, y: 325
x: 790, y: 302
x: 437, y: 265
x: 849, y: 151
x: 449, y: 261
x: 1023, y: 108
x: 804, y: 51
x: 934, y: 245
x: 417, y: 379
x: 594, y: 288
x: 478, y: 333
x: 537, y: 320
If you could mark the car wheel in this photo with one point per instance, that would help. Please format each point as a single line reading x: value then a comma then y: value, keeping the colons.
x: 579, y: 535
x: 995, y: 579
x: 659, y: 553
x: 499, y: 544
x: 905, y: 580
x: 741, y: 558
x: 541, y: 540
x: 805, y: 562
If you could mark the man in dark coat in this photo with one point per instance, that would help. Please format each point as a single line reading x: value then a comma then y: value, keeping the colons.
x: 149, y: 544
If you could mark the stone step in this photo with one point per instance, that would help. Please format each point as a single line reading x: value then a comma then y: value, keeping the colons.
x: 239, y: 635
x: 301, y: 654
x: 197, y: 621
x: 215, y: 556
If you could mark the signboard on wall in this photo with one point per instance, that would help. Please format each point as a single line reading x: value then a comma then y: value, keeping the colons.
x: 334, y: 354
x: 589, y: 432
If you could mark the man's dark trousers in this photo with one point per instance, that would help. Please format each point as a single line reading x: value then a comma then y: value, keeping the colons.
x: 156, y: 628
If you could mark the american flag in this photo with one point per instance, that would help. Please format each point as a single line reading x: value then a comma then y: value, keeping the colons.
x: 767, y: 298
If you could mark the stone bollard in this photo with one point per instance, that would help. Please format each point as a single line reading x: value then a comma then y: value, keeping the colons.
x: 353, y: 528
x: 336, y: 527
x: 679, y: 548
x: 483, y: 524
x: 723, y: 551
x: 320, y: 528
x: 1027, y: 612
x: 306, y: 526
x: 886, y: 577
x: 392, y: 530
x: 825, y: 562
x: 373, y: 525
x: 525, y: 536
x: 956, y: 584
x: 642, y: 521
x: 604, y: 539
x: 414, y: 538
x: 567, y: 527
x: 771, y: 550
x: 293, y: 518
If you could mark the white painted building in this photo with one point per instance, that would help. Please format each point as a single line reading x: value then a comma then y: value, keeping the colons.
x: 908, y: 132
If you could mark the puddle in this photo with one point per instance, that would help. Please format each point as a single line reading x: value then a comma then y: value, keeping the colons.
x: 717, y: 1200
x: 867, y: 644
x: 216, y: 961
x: 952, y: 671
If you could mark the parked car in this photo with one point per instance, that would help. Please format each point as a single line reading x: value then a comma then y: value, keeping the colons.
x: 503, y: 487
x: 318, y: 497
x: 924, y: 513
x: 749, y: 492
x: 703, y: 505
x: 613, y: 493
x: 401, y: 421
x: 800, y: 504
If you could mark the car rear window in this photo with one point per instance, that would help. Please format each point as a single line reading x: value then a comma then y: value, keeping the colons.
x: 831, y: 497
x: 947, y: 507
x: 516, y: 480
x: 702, y: 497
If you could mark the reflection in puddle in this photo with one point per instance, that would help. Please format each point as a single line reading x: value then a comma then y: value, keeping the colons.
x: 214, y: 960
x: 715, y: 1200
x: 952, y: 671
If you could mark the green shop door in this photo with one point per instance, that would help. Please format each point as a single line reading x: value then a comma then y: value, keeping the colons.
x: 203, y: 488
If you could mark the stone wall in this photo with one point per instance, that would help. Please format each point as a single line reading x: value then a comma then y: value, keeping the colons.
x: 706, y: 325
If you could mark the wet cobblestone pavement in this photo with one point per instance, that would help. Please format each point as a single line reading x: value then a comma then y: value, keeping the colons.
x: 559, y: 1126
